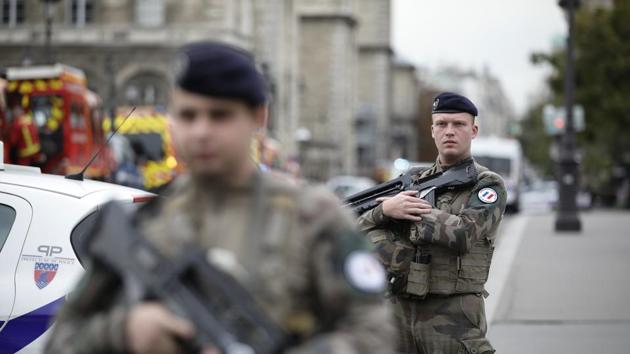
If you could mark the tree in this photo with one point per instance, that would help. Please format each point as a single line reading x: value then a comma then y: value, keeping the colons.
x: 603, y: 88
x: 534, y: 141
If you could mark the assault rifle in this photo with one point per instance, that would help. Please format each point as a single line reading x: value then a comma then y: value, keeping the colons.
x: 456, y: 176
x: 224, y: 314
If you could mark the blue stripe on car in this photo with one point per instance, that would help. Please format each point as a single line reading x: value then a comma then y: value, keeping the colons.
x: 23, y: 330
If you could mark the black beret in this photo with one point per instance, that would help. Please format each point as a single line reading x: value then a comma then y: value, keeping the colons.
x: 219, y: 70
x: 448, y: 102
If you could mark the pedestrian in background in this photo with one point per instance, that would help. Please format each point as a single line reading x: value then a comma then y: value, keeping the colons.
x: 24, y: 145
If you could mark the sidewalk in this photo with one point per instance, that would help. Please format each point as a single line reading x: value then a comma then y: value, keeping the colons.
x: 564, y: 293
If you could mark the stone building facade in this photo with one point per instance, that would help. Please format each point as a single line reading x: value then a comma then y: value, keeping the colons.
x: 329, y: 62
x: 375, y: 82
x: 328, y: 57
x: 496, y: 112
x: 404, y: 140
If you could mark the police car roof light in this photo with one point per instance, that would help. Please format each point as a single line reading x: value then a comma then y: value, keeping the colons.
x: 22, y: 169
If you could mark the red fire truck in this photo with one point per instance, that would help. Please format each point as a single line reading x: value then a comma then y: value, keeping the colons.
x: 66, y: 114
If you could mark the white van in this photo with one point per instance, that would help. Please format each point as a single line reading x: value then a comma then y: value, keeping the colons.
x: 505, y: 157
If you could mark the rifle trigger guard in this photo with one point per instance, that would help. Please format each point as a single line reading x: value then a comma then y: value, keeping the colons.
x: 426, y: 191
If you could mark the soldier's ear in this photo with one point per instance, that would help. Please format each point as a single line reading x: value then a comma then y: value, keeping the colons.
x: 261, y: 114
x: 475, y: 130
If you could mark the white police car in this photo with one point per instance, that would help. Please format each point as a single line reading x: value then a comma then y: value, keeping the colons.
x: 42, y: 220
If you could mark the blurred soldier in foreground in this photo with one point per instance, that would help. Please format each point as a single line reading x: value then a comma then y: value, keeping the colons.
x: 293, y: 248
x: 438, y: 257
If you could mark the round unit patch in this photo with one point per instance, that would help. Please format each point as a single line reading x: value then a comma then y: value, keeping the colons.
x: 364, y: 272
x: 488, y: 195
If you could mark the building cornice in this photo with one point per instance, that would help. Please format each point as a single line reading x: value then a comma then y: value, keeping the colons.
x: 120, y: 36
x: 347, y: 18
x: 385, y: 48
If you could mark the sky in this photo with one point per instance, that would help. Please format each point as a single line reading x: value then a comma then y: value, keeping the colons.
x: 499, y: 34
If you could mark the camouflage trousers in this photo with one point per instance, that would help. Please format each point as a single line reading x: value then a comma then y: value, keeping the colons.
x: 442, y: 325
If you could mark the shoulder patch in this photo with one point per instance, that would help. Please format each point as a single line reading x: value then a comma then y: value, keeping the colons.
x: 488, y: 195
x: 364, y: 272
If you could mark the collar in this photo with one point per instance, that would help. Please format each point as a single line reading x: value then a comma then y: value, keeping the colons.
x: 437, y: 167
x: 221, y: 187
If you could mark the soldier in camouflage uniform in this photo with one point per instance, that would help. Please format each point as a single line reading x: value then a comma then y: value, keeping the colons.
x: 438, y: 258
x: 292, y: 246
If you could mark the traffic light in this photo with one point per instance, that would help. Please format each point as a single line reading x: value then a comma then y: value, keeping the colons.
x: 555, y: 119
x: 558, y: 123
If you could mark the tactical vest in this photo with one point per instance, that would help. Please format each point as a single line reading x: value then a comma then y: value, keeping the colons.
x: 266, y: 257
x: 448, y: 272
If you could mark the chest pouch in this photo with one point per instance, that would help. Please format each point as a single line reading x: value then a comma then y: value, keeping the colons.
x: 419, y: 274
x: 418, y: 279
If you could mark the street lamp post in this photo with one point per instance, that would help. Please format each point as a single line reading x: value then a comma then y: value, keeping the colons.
x: 567, y: 218
x: 48, y: 17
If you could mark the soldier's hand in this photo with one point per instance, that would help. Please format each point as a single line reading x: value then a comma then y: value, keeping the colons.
x: 405, y: 206
x: 152, y: 328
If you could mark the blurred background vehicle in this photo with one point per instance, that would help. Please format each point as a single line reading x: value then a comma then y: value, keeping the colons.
x: 400, y: 166
x: 345, y: 186
x: 542, y: 196
x: 61, y: 120
x: 505, y: 157
x: 144, y: 153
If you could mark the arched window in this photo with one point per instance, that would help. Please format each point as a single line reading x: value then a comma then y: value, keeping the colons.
x: 145, y: 89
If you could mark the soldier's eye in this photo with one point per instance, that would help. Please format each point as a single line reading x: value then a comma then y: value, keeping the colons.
x: 220, y: 114
x: 186, y: 115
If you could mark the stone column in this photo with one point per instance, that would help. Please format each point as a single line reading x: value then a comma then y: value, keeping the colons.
x: 375, y: 81
x: 275, y: 46
x: 328, y: 62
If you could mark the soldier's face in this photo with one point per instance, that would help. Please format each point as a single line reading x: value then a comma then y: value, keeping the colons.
x: 213, y: 135
x: 453, y: 134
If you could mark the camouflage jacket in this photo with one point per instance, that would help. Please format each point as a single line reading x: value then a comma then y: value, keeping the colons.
x: 459, y: 234
x: 293, y: 247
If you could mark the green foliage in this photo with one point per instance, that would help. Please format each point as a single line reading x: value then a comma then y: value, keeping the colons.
x: 534, y: 141
x: 602, y: 47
